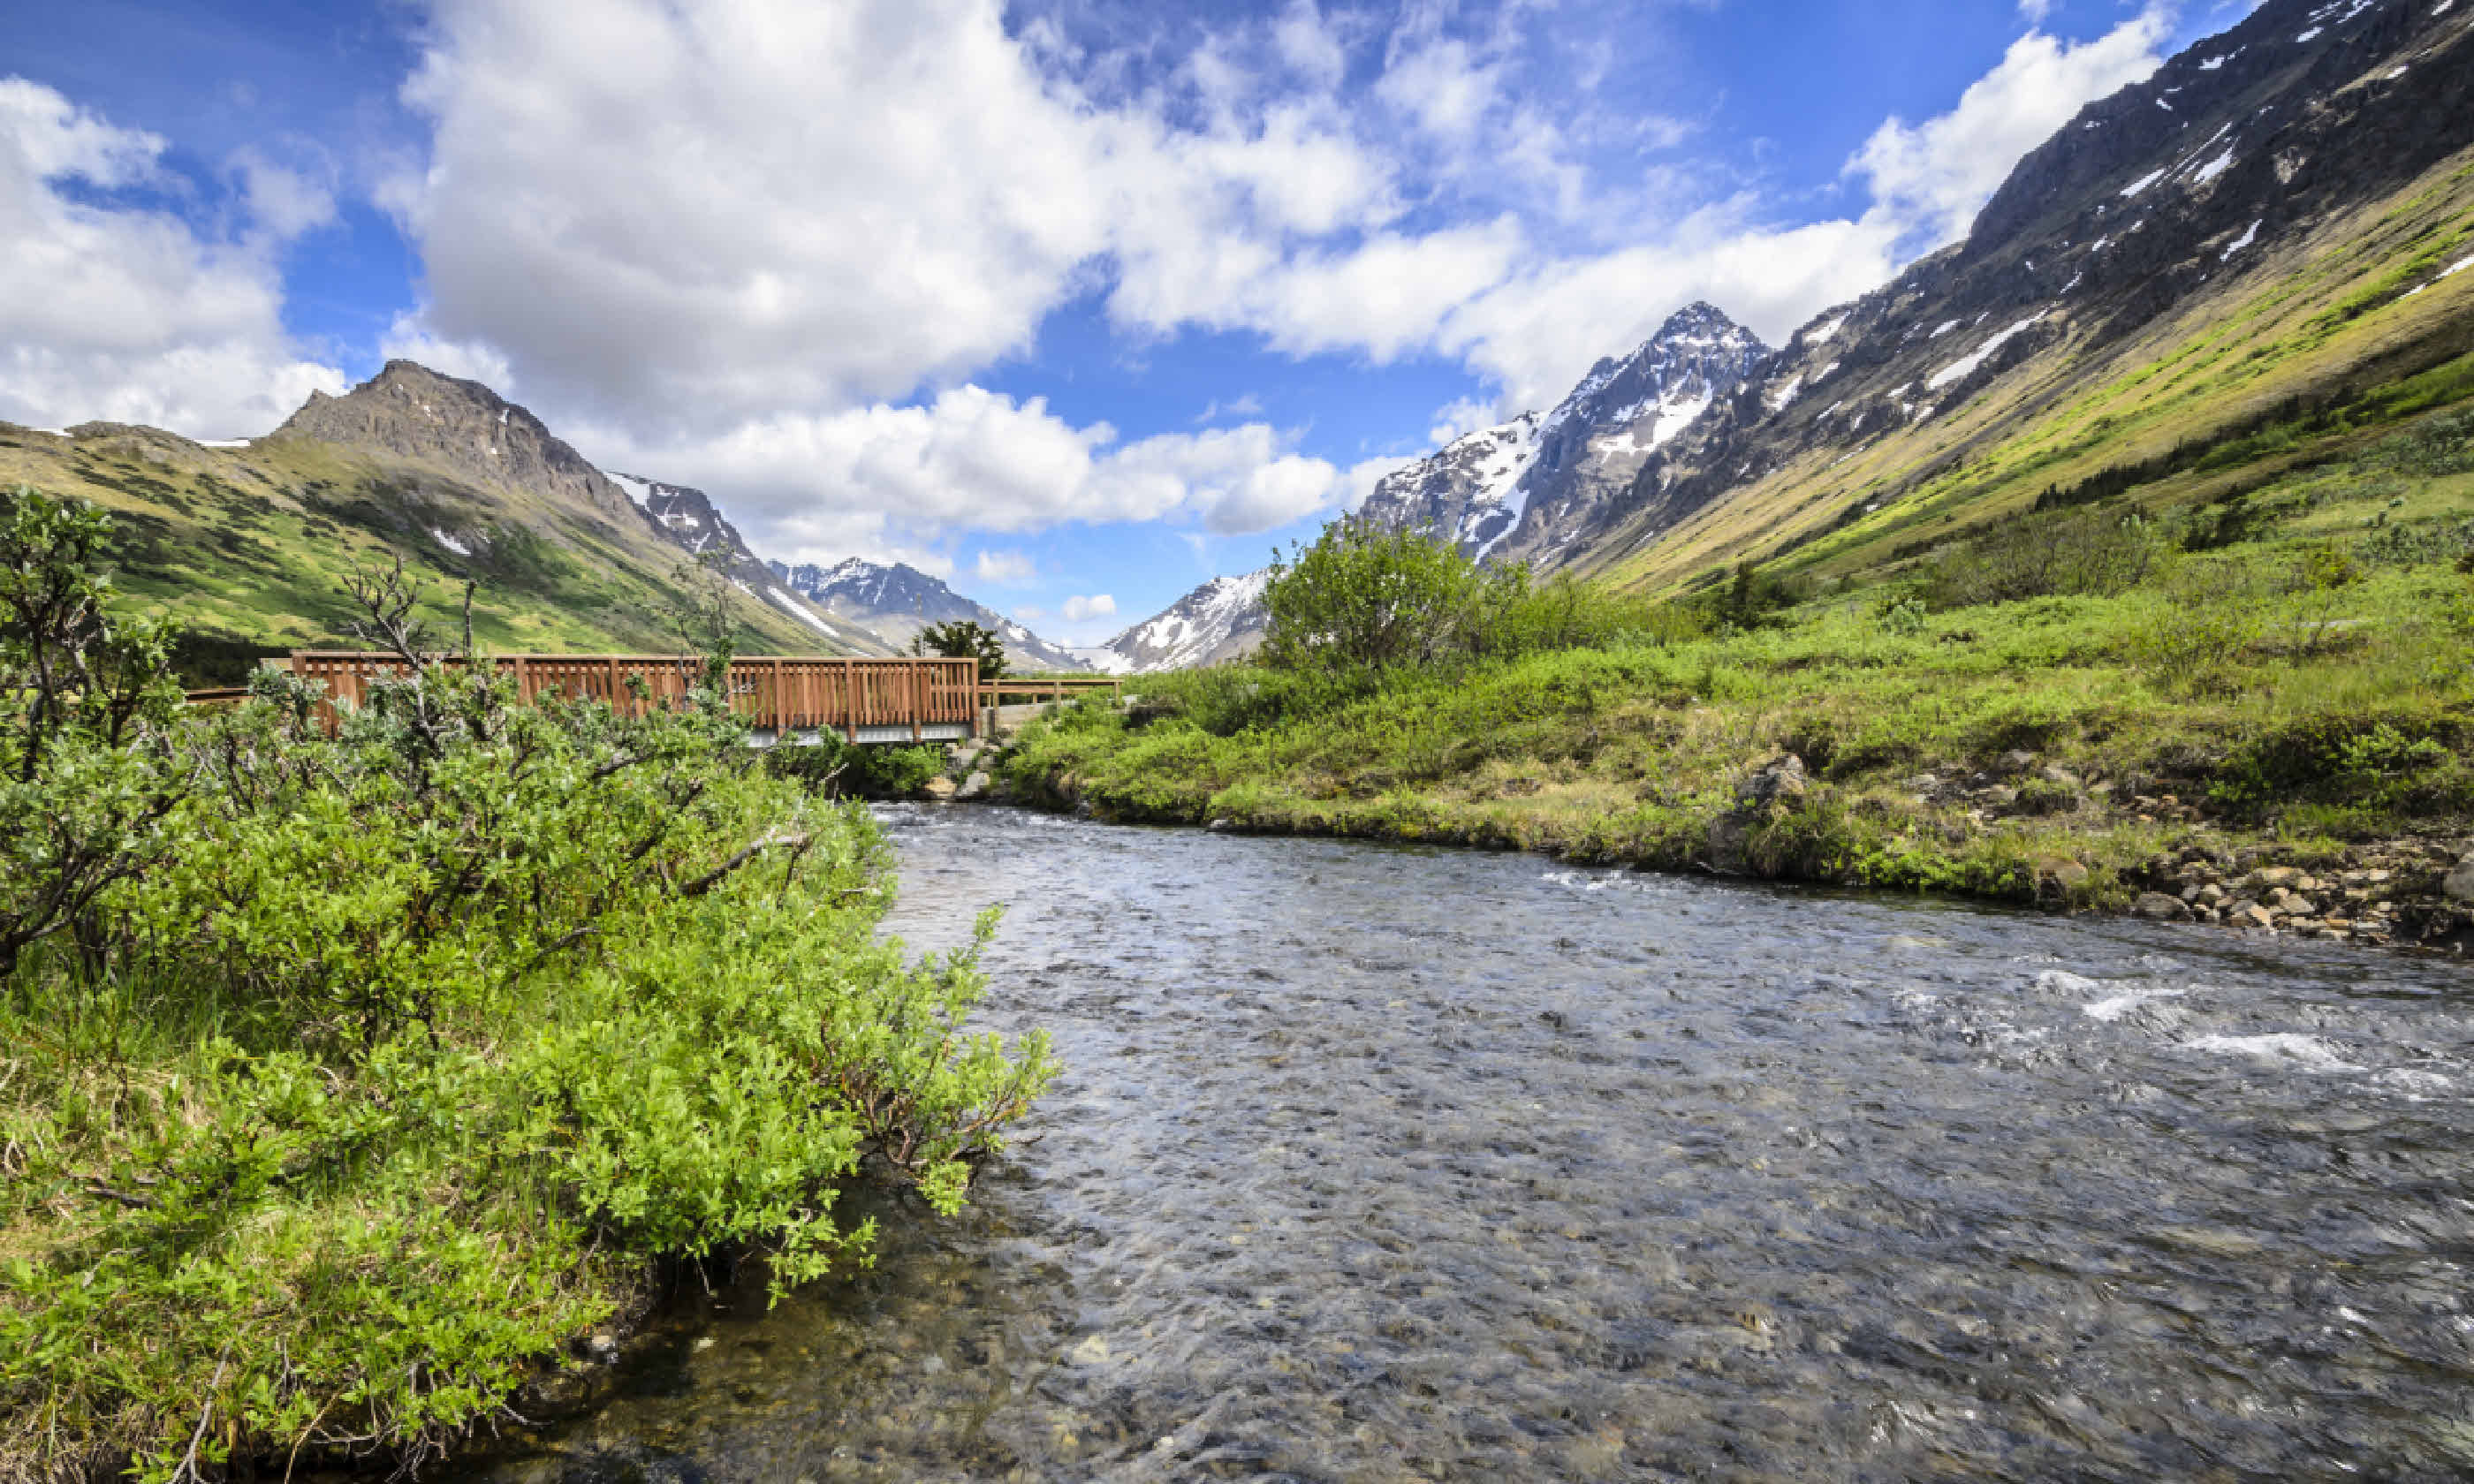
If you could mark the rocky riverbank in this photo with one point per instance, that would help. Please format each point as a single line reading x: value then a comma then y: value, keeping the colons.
x: 2132, y: 845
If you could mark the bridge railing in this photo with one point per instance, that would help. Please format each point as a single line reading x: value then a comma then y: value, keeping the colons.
x: 1036, y: 687
x: 928, y: 698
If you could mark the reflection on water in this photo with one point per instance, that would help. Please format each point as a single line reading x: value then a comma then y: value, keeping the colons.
x: 1378, y: 1164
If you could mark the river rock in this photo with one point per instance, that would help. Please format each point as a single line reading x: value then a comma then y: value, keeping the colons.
x: 1763, y: 792
x: 2458, y: 887
x: 974, y: 786
x: 2158, y: 907
x: 1782, y: 781
x: 2061, y: 872
x: 940, y: 788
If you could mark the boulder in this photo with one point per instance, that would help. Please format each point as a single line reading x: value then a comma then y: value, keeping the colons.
x: 2157, y: 907
x: 940, y: 788
x: 1782, y: 781
x: 974, y: 786
x: 2061, y: 872
x: 2458, y: 886
x: 2017, y: 762
x: 1764, y: 793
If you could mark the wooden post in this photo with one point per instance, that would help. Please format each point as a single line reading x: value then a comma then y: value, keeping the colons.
x: 850, y: 701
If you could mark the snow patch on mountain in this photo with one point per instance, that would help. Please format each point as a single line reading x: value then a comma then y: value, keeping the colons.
x: 1222, y: 619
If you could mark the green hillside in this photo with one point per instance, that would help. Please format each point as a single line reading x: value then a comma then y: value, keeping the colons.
x: 250, y: 547
x: 2348, y: 331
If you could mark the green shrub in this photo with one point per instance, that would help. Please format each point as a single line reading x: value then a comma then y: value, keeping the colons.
x: 394, y: 1059
x: 2072, y: 552
x: 871, y: 770
x: 1367, y: 598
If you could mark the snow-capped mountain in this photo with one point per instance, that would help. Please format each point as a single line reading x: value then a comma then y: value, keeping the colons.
x: 894, y: 603
x: 2163, y: 224
x: 688, y: 519
x: 1508, y: 492
x: 1222, y: 619
x: 1540, y: 471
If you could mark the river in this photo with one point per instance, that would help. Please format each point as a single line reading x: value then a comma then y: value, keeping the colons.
x: 1374, y: 1163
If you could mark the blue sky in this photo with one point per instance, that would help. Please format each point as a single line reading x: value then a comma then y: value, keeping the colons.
x: 1074, y: 302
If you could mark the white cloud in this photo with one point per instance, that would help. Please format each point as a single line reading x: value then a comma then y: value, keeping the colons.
x: 1246, y: 406
x: 723, y: 238
x: 1535, y: 334
x: 812, y: 487
x: 2034, y: 11
x: 1004, y: 567
x: 1461, y: 416
x: 283, y: 202
x: 126, y: 312
x: 1076, y: 609
x: 1359, y: 480
x: 1930, y: 179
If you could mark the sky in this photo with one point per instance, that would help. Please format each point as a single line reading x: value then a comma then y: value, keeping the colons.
x: 1072, y: 303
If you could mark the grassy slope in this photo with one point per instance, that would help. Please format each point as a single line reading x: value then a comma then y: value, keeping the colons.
x: 252, y: 544
x: 2326, y: 317
x: 1633, y: 754
x: 2331, y: 725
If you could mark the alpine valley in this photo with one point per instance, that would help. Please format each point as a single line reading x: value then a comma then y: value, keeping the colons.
x: 2245, y: 264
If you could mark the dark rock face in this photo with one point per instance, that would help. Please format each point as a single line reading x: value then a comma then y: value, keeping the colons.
x: 1222, y: 619
x: 413, y: 411
x: 1521, y: 490
x: 2305, y: 109
x: 688, y: 519
x: 1590, y: 448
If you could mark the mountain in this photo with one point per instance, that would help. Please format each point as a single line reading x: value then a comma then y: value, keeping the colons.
x: 1521, y: 490
x: 1536, y: 478
x: 2266, y: 233
x: 896, y: 602
x: 688, y: 519
x: 1222, y: 619
x: 249, y: 544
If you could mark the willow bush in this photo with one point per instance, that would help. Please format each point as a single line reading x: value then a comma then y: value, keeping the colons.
x: 367, y: 1071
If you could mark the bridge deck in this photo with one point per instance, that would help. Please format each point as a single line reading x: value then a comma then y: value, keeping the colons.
x: 926, y: 699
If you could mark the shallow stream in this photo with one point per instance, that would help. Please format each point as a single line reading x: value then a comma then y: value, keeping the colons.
x: 1385, y: 1165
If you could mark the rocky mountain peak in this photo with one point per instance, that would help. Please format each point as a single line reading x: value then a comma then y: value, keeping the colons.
x: 1512, y: 491
x: 1222, y: 619
x: 895, y: 601
x: 409, y: 411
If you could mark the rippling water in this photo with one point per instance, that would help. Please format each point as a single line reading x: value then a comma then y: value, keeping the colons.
x: 1384, y: 1165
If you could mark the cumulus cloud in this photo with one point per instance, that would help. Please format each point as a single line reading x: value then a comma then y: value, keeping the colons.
x: 1931, y: 179
x: 1004, y: 567
x: 766, y: 245
x: 1536, y: 332
x: 123, y: 311
x: 864, y: 480
x: 1536, y: 335
x: 1077, y: 609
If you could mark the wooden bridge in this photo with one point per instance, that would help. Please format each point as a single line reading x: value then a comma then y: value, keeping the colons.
x: 932, y: 700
